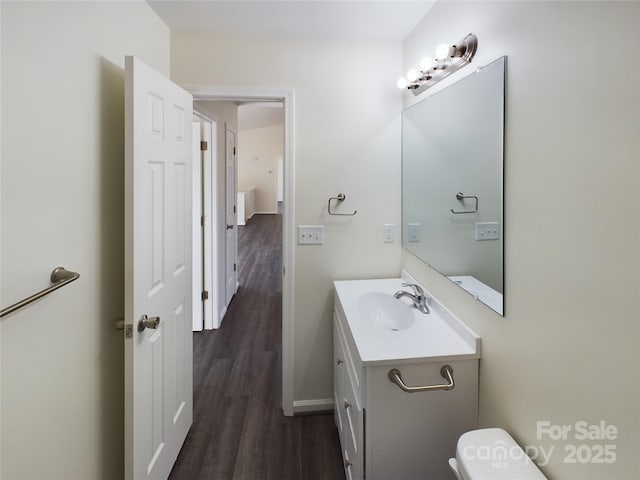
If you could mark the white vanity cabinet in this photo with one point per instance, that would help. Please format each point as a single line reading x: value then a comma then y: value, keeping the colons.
x: 348, y: 411
x: 385, y: 432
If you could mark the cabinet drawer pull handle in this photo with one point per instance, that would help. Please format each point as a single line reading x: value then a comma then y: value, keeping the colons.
x: 346, y: 405
x: 446, y: 371
x: 340, y: 362
x: 347, y: 463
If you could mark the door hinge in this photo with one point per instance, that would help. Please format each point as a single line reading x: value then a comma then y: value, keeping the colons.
x: 234, y: 209
x: 128, y: 331
x: 234, y: 150
x: 203, y: 146
x: 234, y: 267
x: 205, y: 295
x: 203, y: 220
x: 128, y: 328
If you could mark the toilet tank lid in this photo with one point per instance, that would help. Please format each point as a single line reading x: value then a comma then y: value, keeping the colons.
x: 492, y: 454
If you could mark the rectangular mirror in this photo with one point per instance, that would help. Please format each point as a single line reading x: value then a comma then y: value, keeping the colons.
x: 452, y: 182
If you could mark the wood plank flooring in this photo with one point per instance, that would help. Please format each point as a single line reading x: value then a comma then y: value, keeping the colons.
x: 239, y: 431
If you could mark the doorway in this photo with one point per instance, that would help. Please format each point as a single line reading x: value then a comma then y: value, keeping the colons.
x: 260, y: 165
x: 286, y: 97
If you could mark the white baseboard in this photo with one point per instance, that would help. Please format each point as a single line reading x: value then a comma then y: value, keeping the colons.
x: 315, y: 405
x: 221, y: 315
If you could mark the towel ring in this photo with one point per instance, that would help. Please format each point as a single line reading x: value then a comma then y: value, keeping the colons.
x: 461, y: 196
x: 340, y: 197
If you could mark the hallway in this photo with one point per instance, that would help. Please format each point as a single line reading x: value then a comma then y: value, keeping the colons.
x: 239, y: 431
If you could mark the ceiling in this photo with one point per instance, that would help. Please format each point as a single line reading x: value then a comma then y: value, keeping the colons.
x: 260, y: 115
x: 326, y: 19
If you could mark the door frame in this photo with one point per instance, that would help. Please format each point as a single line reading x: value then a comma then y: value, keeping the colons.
x: 286, y: 96
x: 230, y: 207
x: 197, y: 247
x: 209, y: 231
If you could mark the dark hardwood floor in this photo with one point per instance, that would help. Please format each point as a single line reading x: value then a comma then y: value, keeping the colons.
x: 239, y: 431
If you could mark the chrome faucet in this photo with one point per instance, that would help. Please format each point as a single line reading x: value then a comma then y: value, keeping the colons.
x: 419, y: 298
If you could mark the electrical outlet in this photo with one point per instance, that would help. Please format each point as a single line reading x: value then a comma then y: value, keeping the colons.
x: 487, y: 231
x: 310, y: 234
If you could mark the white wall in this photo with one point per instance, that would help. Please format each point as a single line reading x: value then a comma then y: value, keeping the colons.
x: 258, y: 153
x: 567, y: 349
x: 347, y: 139
x: 62, y: 204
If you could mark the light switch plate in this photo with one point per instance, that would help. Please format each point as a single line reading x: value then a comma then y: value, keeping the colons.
x: 487, y: 231
x: 389, y: 233
x: 414, y: 232
x: 310, y: 234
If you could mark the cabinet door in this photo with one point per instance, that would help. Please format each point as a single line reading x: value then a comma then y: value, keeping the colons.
x: 353, y: 429
x: 339, y: 373
x: 413, y: 435
x: 348, y: 410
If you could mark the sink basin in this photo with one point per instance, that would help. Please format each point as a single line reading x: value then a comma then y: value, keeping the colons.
x: 388, y: 331
x: 386, y: 312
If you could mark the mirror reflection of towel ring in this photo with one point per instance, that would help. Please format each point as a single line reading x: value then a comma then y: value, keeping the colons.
x: 461, y: 196
x: 340, y: 197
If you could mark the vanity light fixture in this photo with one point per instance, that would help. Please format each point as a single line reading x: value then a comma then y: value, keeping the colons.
x: 448, y: 59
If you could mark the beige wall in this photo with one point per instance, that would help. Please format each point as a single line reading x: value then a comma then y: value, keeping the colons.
x: 567, y: 349
x: 258, y: 153
x: 62, y: 204
x: 347, y: 139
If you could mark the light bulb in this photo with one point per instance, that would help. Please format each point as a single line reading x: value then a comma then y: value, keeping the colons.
x: 412, y: 75
x: 402, y: 83
x: 426, y: 63
x: 442, y: 52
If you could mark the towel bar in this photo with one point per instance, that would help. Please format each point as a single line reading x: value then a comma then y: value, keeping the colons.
x: 59, y: 277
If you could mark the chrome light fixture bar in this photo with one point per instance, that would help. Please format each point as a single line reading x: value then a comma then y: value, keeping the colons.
x: 449, y: 59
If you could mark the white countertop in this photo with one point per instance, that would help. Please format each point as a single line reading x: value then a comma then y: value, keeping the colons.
x: 480, y: 291
x: 437, y: 336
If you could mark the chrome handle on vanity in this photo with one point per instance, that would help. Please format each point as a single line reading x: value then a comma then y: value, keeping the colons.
x: 347, y: 405
x: 446, y: 371
x: 347, y: 461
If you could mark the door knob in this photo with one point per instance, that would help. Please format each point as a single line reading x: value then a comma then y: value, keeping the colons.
x: 148, y: 322
x: 229, y: 227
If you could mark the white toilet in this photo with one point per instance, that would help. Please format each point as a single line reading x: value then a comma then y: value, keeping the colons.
x: 492, y: 454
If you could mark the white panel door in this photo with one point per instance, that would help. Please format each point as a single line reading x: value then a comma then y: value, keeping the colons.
x: 158, y: 358
x: 231, y: 199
